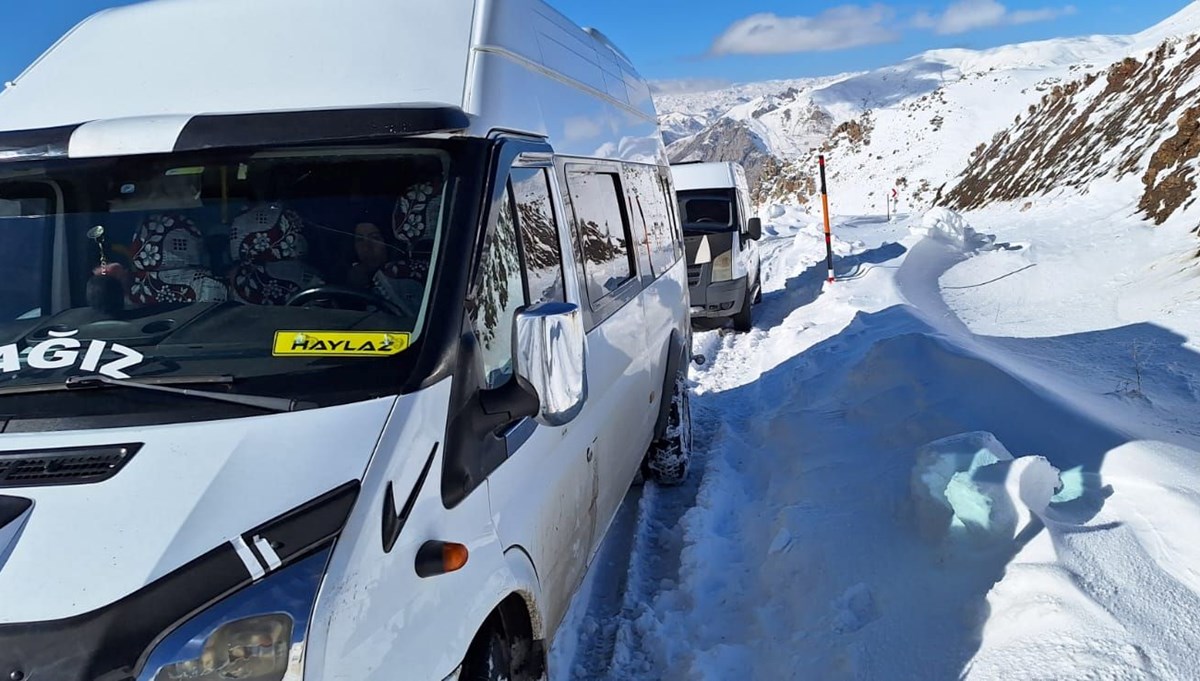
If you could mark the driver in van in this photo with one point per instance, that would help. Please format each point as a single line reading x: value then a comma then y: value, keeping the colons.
x: 372, y: 251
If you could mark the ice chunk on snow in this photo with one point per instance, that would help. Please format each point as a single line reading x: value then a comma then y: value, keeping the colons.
x: 940, y: 463
x: 970, y: 485
x: 952, y: 228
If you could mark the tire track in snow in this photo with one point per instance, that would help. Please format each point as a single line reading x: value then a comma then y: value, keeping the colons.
x: 649, y: 535
x: 623, y: 598
x: 639, y: 559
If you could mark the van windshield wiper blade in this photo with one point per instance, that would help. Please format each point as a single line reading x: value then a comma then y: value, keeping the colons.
x: 60, y: 386
x: 280, y: 404
x: 159, y: 384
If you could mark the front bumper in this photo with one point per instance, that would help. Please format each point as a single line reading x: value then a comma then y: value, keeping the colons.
x: 718, y: 298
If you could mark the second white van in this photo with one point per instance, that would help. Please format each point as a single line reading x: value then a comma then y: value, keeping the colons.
x: 724, y: 263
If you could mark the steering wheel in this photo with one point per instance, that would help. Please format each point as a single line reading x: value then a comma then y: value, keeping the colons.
x: 335, y: 292
x: 705, y: 220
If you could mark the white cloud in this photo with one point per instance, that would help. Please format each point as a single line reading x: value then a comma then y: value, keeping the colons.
x: 1030, y: 16
x: 834, y: 29
x: 970, y: 15
x: 684, y: 86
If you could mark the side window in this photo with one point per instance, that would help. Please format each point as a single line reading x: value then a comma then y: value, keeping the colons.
x: 25, y: 240
x: 499, y: 294
x: 672, y: 206
x: 654, y: 206
x: 602, y: 232
x: 539, y: 235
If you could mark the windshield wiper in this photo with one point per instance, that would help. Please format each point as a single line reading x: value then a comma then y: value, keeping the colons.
x: 100, y: 381
x: 259, y: 402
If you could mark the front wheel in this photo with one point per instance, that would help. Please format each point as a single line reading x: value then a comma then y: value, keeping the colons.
x: 489, y: 657
x: 669, y: 458
x: 743, y: 321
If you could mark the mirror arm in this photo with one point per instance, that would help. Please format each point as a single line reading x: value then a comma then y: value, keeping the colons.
x: 509, y: 403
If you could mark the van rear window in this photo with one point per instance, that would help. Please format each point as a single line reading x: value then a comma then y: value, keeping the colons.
x: 708, y: 209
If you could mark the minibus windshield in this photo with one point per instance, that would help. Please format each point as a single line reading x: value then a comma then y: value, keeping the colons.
x: 709, y: 210
x: 305, y: 270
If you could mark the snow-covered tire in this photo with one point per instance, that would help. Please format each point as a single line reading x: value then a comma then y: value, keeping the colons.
x: 743, y: 321
x: 490, y: 656
x: 669, y: 458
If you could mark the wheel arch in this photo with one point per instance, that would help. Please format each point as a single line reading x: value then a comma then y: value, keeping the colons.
x: 679, y: 350
x: 519, y: 617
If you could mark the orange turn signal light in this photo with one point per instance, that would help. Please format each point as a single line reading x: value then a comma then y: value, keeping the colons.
x: 439, y: 557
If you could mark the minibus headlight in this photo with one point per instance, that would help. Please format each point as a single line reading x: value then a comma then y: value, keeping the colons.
x: 257, y: 634
x: 252, y: 649
x: 722, y: 267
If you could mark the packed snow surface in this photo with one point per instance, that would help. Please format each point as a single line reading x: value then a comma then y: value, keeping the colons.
x: 973, y: 456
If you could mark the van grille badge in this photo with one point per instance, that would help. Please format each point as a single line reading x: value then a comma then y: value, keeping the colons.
x: 77, y: 466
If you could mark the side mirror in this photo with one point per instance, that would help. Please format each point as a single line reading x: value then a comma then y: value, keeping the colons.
x: 754, y: 227
x: 550, y: 355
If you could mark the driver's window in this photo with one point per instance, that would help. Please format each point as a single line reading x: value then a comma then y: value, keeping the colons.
x: 26, y: 229
x: 500, y: 292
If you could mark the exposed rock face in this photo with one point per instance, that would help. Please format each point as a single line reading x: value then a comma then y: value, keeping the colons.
x: 1141, y: 118
x: 1169, y: 181
x: 726, y: 140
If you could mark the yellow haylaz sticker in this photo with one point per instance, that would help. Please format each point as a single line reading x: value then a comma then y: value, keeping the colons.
x: 339, y: 343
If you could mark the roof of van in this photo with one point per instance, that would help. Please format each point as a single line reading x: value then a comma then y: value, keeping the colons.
x: 159, y: 61
x: 689, y: 176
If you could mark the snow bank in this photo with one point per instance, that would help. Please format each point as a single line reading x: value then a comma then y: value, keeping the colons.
x: 951, y: 227
x: 1112, y: 597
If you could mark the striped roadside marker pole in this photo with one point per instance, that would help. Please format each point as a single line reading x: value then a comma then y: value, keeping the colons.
x: 828, y: 230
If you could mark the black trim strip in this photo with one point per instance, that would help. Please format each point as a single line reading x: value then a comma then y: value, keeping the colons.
x: 271, y: 129
x: 24, y: 145
x: 12, y: 508
x: 296, y: 531
x: 111, y: 642
x: 393, y: 523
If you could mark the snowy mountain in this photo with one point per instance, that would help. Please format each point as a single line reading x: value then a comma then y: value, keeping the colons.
x: 917, y: 126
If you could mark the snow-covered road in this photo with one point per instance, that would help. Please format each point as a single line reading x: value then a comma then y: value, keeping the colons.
x: 830, y: 531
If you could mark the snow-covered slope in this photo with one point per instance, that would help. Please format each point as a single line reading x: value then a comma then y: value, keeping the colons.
x: 1136, y: 124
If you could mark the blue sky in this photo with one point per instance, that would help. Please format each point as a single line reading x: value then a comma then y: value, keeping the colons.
x: 738, y: 40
